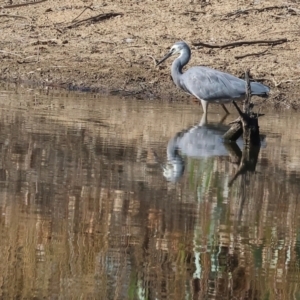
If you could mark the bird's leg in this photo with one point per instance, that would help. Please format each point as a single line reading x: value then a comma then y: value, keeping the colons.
x: 204, y: 116
x: 203, y: 120
x: 204, y: 106
x: 226, y: 110
x: 223, y: 119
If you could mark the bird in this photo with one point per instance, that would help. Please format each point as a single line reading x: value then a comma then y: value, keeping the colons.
x: 200, y: 142
x: 206, y: 84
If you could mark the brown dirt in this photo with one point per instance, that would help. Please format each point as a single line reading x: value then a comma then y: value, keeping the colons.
x: 116, y: 55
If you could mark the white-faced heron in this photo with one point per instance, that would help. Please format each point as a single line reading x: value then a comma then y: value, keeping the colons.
x: 206, y: 84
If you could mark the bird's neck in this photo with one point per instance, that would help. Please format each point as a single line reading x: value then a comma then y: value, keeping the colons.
x: 177, y: 66
x: 176, y: 71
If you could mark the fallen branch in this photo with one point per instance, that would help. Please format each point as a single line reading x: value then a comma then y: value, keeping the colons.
x: 240, y: 43
x: 251, y: 54
x: 95, y: 19
x: 249, y: 119
x: 13, y: 16
x: 251, y: 137
x: 22, y: 4
x: 247, y: 123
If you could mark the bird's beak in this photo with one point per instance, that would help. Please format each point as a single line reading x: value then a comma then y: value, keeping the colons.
x: 164, y: 58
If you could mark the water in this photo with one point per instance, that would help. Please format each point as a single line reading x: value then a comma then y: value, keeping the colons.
x: 87, y: 212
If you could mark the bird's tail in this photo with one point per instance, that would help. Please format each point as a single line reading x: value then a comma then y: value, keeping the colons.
x: 259, y: 89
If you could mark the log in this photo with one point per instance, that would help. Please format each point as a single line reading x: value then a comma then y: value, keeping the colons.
x: 234, y: 132
x: 247, y: 123
x: 248, y: 162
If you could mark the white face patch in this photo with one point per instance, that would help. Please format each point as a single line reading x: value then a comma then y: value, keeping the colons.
x: 175, y: 49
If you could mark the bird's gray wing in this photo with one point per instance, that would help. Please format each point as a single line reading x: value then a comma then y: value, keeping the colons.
x: 209, y: 84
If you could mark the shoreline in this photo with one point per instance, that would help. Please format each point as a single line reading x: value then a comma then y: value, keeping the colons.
x: 116, y: 55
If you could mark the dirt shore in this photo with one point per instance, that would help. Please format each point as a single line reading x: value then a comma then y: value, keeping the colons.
x: 53, y: 43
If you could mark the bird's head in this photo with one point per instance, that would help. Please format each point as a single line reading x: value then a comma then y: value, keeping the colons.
x: 178, y: 47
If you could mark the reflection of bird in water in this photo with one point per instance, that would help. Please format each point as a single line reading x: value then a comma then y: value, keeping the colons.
x: 197, y: 142
x: 206, y: 84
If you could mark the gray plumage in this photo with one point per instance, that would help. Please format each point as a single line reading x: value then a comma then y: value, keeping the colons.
x: 206, y: 84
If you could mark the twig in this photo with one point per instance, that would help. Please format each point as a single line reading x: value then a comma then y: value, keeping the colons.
x: 266, y: 30
x: 240, y: 43
x: 251, y: 54
x: 294, y: 10
x: 246, y: 106
x: 22, y: 4
x: 283, y: 31
x: 277, y: 84
x: 94, y: 19
x: 191, y: 12
x: 105, y: 42
x: 236, y: 121
x: 154, y: 60
x: 277, y: 16
x: 44, y: 42
x: 11, y: 53
x: 25, y: 62
x: 88, y: 7
x: 13, y: 16
x: 38, y: 54
x: 59, y: 30
x: 245, y: 11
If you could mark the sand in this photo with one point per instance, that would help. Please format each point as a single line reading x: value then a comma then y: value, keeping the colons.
x: 51, y: 43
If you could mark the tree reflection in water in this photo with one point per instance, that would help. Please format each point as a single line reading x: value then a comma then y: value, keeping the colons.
x: 84, y: 213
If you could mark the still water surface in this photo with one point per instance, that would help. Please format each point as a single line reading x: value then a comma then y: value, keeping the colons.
x: 90, y: 208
